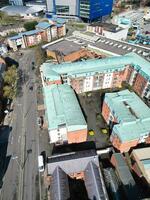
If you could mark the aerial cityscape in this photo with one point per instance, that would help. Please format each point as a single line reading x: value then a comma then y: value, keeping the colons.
x: 74, y: 99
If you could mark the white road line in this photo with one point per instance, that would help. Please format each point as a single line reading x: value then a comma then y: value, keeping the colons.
x: 12, y: 140
x: 19, y: 139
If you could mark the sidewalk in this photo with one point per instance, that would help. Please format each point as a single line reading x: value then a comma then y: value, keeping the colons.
x: 9, y: 117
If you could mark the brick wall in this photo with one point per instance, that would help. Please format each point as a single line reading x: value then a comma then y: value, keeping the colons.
x: 77, y: 136
x: 77, y: 175
x: 105, y: 111
x: 127, y: 73
x: 57, y: 82
x: 139, y: 84
x: 51, y: 54
x: 123, y: 147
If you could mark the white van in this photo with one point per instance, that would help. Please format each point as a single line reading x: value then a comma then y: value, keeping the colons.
x: 40, y: 163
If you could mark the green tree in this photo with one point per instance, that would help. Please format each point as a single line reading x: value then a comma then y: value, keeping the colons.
x: 10, y: 82
x: 39, y: 55
x: 30, y: 25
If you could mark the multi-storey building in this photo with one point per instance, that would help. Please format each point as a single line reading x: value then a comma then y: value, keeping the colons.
x: 101, y: 73
x: 44, y: 32
x: 87, y: 9
x: 66, y: 123
x: 129, y: 118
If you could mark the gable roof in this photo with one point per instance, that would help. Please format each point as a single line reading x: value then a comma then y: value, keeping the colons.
x: 59, y: 185
x: 43, y: 25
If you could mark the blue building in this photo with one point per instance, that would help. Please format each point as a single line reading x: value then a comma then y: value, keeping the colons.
x: 85, y: 9
x: 95, y: 9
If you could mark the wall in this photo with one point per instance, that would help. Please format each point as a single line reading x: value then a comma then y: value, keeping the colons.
x: 139, y: 84
x: 77, y: 136
x: 57, y: 135
x: 123, y: 147
x: 120, y: 35
x: 105, y: 111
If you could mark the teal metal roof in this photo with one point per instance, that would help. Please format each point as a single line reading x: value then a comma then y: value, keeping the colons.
x: 132, y: 113
x: 62, y: 107
x: 126, y: 106
x: 132, y: 130
x: 90, y: 67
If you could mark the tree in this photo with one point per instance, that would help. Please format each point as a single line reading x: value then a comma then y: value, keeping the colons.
x: 39, y: 55
x: 30, y: 25
x: 10, y: 82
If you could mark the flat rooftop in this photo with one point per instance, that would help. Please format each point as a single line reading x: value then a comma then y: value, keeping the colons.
x: 64, y: 47
x: 107, y: 26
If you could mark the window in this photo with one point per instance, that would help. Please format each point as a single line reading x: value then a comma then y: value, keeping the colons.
x: 62, y: 9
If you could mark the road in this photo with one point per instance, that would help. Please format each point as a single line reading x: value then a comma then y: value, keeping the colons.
x: 21, y: 178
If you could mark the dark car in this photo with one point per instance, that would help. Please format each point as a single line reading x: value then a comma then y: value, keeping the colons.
x: 31, y: 88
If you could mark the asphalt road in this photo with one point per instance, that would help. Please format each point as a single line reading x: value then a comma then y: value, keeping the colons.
x: 21, y: 178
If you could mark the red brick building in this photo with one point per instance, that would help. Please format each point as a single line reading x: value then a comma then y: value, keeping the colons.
x: 122, y: 112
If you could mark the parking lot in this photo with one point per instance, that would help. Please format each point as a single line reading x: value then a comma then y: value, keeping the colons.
x: 91, y: 106
x: 116, y: 47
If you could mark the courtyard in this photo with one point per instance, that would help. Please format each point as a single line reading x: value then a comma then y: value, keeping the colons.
x: 91, y: 104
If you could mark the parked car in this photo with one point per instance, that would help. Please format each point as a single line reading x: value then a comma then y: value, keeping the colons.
x: 40, y: 163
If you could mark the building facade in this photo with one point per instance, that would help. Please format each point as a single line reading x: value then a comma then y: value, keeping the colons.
x: 44, y: 32
x: 108, y: 30
x: 16, y: 2
x: 87, y: 9
x: 128, y: 183
x: 66, y: 123
x: 130, y: 126
x: 101, y: 74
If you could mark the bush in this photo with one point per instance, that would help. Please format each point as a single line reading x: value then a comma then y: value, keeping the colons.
x: 30, y: 25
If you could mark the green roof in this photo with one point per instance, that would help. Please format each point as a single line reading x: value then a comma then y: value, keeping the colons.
x: 132, y: 114
x: 90, y: 67
x: 62, y: 107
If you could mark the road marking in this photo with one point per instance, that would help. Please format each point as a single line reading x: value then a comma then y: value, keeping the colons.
x: 19, y: 139
x: 12, y: 140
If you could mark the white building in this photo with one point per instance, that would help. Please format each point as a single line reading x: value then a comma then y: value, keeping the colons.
x: 110, y: 31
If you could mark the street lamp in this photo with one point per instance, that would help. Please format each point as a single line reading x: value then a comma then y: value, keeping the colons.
x: 21, y: 165
x: 18, y: 163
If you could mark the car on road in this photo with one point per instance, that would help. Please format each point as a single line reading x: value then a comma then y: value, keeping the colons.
x: 40, y: 163
x: 39, y: 122
x: 31, y: 87
x: 115, y: 44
